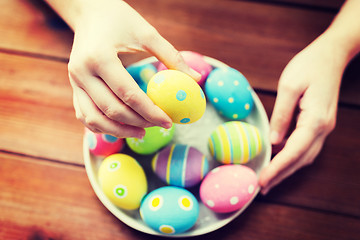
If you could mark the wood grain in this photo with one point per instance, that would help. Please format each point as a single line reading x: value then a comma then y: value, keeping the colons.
x: 26, y: 26
x: 326, y: 4
x: 257, y: 39
x: 36, y: 113
x: 44, y: 190
x: 44, y: 200
x: 37, y: 119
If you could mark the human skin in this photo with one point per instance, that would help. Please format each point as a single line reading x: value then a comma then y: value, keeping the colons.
x: 310, y: 83
x: 106, y: 98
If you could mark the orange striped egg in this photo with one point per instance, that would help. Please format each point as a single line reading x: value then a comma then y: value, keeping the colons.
x: 180, y: 165
x: 235, y: 142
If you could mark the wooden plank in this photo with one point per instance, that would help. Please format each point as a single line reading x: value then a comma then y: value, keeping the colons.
x: 45, y: 200
x: 257, y: 39
x: 37, y: 117
x: 29, y: 26
x: 53, y: 201
x: 327, y: 4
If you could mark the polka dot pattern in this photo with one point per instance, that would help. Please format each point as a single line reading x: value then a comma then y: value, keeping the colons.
x: 185, y: 120
x: 170, y: 210
x: 178, y: 95
x: 222, y: 191
x: 167, y: 229
x: 181, y: 95
x: 185, y: 203
x: 230, y: 93
x: 156, y: 202
x: 122, y: 180
x: 103, y: 144
x: 120, y: 191
x: 114, y: 165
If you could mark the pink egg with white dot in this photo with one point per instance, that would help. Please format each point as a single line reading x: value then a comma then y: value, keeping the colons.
x: 197, y: 62
x: 103, y: 144
x: 228, y: 188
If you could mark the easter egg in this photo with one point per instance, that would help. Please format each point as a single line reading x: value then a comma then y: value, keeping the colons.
x: 180, y: 165
x: 103, y: 144
x: 155, y: 138
x: 195, y: 61
x: 142, y: 73
x: 230, y: 93
x: 178, y: 95
x: 235, y: 142
x: 123, y: 181
x: 170, y: 210
x: 228, y: 188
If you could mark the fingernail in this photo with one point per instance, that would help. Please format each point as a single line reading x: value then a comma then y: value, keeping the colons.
x: 140, y: 135
x: 264, y: 191
x: 195, y: 74
x: 167, y: 125
x: 274, y: 137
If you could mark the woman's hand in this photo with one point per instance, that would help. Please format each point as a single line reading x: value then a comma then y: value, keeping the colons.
x: 310, y: 86
x: 106, y: 98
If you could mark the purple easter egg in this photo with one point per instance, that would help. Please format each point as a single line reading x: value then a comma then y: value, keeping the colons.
x: 180, y: 165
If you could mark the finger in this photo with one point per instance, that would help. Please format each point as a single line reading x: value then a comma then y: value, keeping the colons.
x: 127, y: 90
x: 111, y: 105
x: 303, y: 161
x: 88, y: 113
x: 167, y: 54
x: 300, y: 150
x: 286, y: 101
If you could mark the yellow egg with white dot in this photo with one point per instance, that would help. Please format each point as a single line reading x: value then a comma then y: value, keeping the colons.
x: 123, y: 181
x: 178, y: 95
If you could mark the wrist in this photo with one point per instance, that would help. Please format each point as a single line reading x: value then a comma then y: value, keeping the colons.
x: 69, y: 10
x: 346, y: 45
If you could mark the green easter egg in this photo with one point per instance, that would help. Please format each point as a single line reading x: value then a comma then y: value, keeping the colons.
x: 235, y: 142
x: 155, y: 139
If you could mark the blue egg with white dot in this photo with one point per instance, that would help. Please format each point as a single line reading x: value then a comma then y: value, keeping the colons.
x: 142, y: 73
x: 170, y: 210
x: 230, y: 93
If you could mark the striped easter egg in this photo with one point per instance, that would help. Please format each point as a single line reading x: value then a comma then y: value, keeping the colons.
x: 235, y: 142
x: 180, y: 165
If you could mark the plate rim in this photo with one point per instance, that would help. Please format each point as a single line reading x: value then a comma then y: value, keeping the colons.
x: 133, y: 223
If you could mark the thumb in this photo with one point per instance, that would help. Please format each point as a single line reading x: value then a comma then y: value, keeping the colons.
x: 167, y: 54
x: 285, y: 104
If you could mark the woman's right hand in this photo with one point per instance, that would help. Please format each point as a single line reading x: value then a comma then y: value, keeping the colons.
x: 106, y: 98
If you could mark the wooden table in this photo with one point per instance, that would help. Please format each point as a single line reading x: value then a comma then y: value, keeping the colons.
x: 44, y: 189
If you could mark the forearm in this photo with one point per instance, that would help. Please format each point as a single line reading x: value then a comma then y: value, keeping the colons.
x: 344, y: 31
x: 74, y: 12
x: 68, y: 10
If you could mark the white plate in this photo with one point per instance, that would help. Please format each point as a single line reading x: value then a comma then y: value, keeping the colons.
x: 196, y: 135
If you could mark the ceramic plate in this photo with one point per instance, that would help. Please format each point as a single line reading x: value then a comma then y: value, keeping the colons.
x: 196, y: 135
